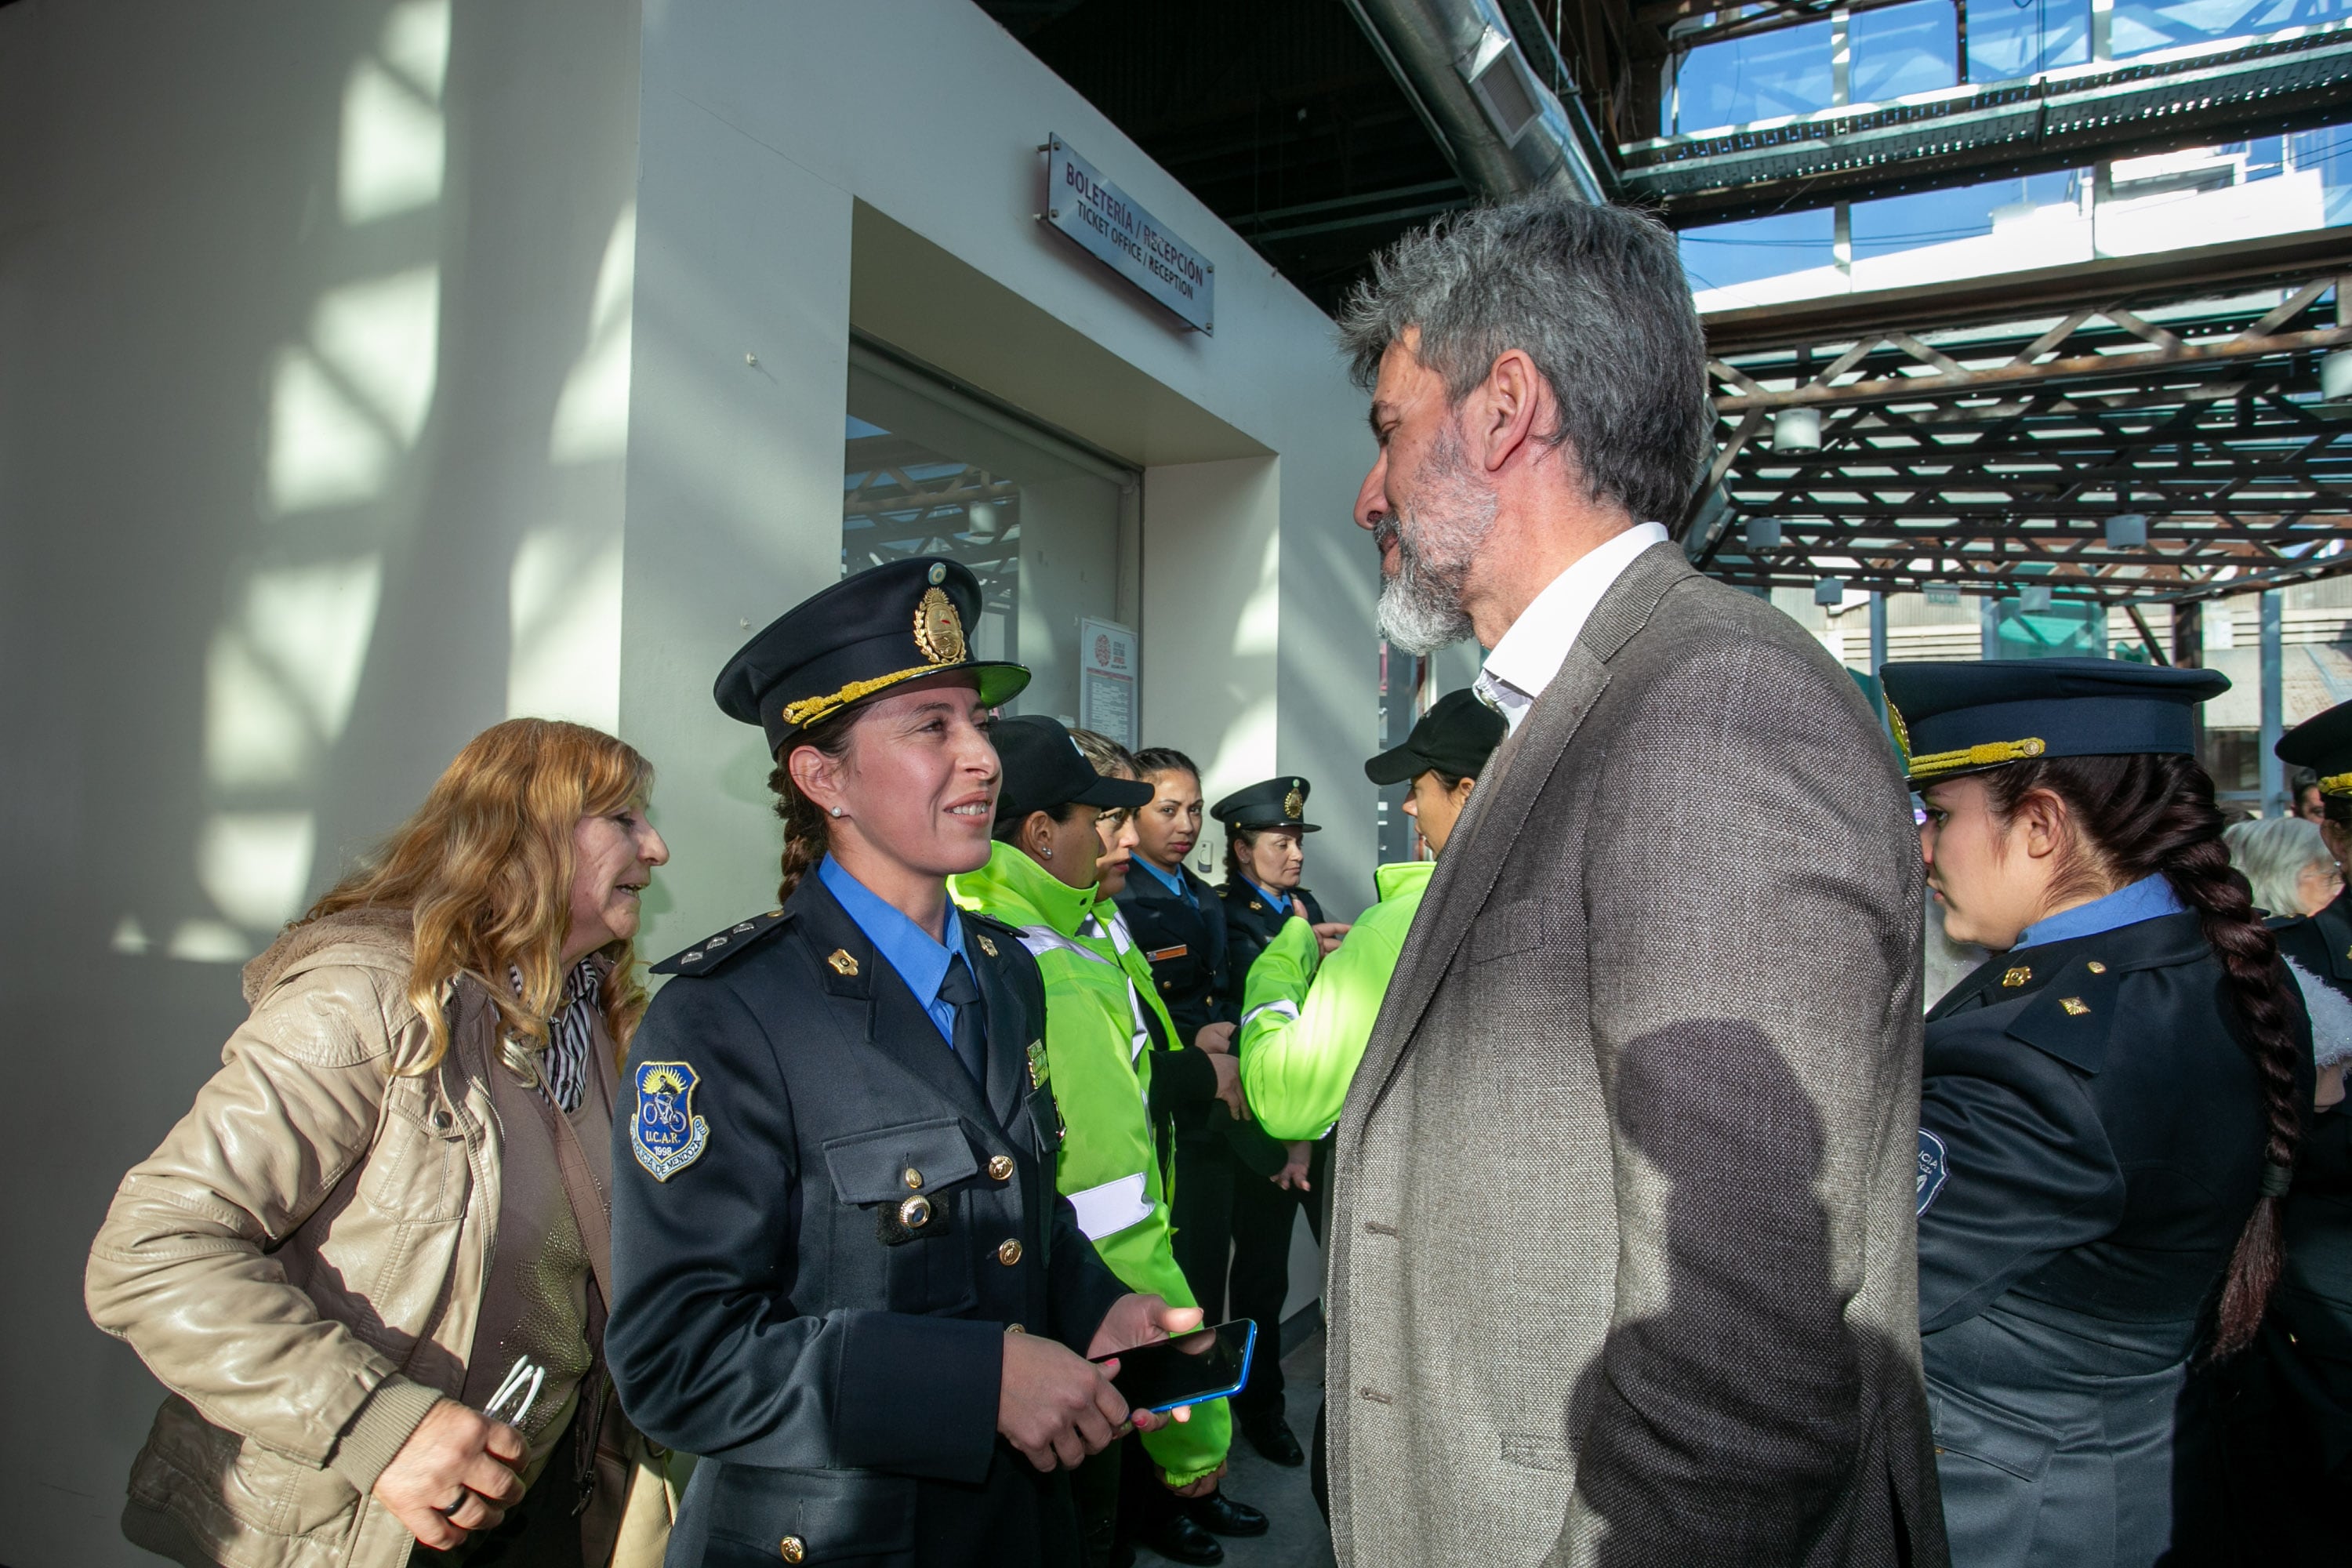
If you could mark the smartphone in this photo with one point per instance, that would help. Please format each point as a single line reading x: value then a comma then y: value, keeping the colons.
x: 1207, y: 1363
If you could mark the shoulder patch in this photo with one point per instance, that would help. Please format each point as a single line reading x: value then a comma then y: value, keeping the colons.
x: 665, y: 1134
x: 1933, y: 1169
x: 721, y: 946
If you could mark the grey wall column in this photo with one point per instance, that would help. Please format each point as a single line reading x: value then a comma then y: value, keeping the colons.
x: 2274, y: 774
x: 1988, y: 608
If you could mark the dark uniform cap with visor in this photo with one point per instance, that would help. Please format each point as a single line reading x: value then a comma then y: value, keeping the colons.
x: 1455, y: 736
x: 898, y: 621
x: 1044, y: 770
x: 2323, y: 744
x: 1276, y: 803
x: 1955, y: 719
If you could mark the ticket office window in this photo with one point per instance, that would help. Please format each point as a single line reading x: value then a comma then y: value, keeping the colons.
x: 928, y: 471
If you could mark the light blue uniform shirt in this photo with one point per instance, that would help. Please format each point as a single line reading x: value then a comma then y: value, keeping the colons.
x: 2144, y: 899
x: 907, y: 947
x: 1173, y: 881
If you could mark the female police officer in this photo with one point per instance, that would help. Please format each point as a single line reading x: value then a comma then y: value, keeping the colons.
x: 2110, y: 1106
x: 842, y: 1272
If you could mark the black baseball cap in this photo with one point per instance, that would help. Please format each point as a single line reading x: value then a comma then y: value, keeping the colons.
x: 1456, y: 736
x: 898, y: 621
x: 1044, y: 770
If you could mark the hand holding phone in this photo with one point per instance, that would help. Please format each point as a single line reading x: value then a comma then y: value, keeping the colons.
x: 1188, y: 1369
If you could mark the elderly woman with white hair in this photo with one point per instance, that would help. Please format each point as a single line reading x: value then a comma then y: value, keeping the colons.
x: 2286, y: 863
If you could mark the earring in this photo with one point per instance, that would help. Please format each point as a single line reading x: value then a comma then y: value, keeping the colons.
x: 1048, y: 854
x: 836, y: 811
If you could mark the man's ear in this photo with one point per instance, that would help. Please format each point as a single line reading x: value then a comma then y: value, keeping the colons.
x: 1508, y: 410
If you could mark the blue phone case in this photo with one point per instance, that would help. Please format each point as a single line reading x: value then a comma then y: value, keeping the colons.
x: 1249, y: 1359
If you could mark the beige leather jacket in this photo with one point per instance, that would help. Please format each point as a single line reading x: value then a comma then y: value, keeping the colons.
x: 302, y: 1262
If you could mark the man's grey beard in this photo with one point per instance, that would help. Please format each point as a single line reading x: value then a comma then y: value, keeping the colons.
x: 1436, y: 539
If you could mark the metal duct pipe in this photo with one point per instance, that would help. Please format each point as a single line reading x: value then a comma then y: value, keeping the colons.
x: 1502, y: 129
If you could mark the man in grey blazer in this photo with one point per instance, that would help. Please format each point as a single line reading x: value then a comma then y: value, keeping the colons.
x: 1621, y: 1258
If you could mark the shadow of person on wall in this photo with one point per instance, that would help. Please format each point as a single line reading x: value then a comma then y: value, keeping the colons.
x: 1730, y: 1422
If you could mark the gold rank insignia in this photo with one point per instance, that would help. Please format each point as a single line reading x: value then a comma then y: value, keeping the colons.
x: 986, y: 946
x: 938, y: 629
x: 842, y: 964
x: 1036, y: 1063
x: 2017, y: 976
x: 2074, y: 1007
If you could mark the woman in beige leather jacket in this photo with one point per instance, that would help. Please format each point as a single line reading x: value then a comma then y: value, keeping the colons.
x: 367, y: 1264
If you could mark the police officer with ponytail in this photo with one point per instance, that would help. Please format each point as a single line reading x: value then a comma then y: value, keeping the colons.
x: 843, y: 1273
x: 2111, y: 1105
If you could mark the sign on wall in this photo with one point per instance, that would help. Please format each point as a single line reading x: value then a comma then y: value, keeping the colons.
x: 1106, y: 679
x: 1124, y: 238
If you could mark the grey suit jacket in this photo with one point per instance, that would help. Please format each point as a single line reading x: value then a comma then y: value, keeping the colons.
x: 1623, y: 1265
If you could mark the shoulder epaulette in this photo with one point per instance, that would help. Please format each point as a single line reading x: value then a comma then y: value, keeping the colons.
x: 2070, y: 1017
x: 720, y: 947
x: 991, y: 935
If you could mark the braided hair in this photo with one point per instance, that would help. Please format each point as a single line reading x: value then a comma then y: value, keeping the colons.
x: 2142, y: 814
x: 806, y: 835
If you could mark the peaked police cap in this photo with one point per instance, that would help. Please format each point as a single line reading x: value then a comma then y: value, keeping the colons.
x: 1953, y: 718
x: 1276, y: 802
x: 901, y: 621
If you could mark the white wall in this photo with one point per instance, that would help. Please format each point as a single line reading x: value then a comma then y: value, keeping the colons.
x: 947, y: 263
x: 310, y: 465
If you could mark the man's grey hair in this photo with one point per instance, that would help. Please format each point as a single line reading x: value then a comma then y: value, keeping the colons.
x: 2272, y: 853
x: 1595, y: 296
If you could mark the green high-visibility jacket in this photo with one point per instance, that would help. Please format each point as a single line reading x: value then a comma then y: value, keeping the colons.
x: 1305, y: 1024
x: 1097, y: 1052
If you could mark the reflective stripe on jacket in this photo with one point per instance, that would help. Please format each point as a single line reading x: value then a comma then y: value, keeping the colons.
x: 1097, y: 986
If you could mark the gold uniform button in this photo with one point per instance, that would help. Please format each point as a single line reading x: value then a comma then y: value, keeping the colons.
x: 2095, y: 967
x: 793, y: 1549
x: 1015, y: 1328
x: 999, y: 1167
x: 1008, y: 1252
x: 915, y: 1213
x: 914, y: 1179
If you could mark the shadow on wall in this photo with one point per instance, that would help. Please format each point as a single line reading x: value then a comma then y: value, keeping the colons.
x: 311, y: 459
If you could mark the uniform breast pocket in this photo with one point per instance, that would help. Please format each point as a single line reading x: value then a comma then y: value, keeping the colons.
x: 898, y: 1189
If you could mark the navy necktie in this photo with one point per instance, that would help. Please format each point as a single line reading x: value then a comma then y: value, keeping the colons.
x: 970, y: 1036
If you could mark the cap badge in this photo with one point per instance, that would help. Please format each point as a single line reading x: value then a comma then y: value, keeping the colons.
x: 842, y: 964
x: 938, y: 572
x: 939, y: 630
x: 1293, y: 805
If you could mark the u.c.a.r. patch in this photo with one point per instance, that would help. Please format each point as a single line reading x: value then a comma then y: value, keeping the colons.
x: 665, y: 1134
x: 1932, y: 1169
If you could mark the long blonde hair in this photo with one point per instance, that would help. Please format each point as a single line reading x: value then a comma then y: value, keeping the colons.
x: 485, y: 868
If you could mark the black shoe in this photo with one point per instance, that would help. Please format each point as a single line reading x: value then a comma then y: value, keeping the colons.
x: 1177, y: 1539
x: 1221, y: 1515
x: 1270, y: 1436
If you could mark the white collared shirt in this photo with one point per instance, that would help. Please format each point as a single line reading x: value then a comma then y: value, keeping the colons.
x: 1535, y: 647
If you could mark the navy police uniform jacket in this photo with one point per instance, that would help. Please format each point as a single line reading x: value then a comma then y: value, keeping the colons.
x: 1185, y: 944
x: 2091, y: 1145
x: 780, y: 1309
x: 1251, y: 923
